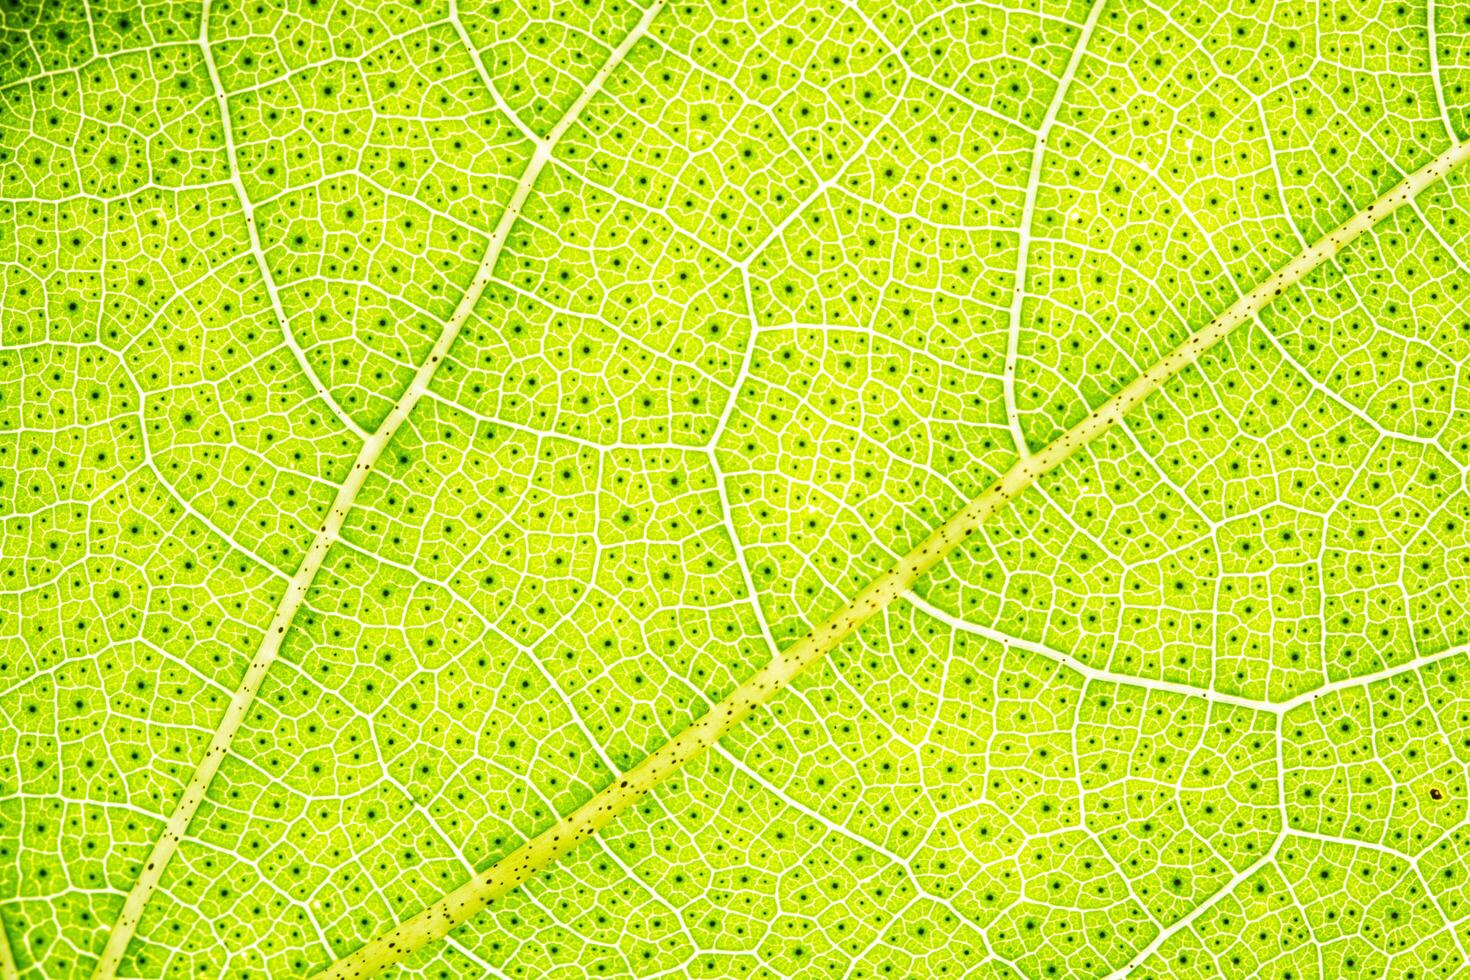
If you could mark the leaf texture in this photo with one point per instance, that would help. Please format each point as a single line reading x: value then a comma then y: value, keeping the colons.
x: 416, y: 416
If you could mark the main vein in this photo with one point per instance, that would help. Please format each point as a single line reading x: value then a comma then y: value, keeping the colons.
x: 8, y: 970
x: 435, y: 921
x: 296, y: 589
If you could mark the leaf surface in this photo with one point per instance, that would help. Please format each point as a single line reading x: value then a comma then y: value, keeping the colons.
x: 416, y: 416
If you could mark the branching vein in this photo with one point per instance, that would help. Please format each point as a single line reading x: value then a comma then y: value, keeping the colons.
x: 300, y: 583
x: 439, y: 918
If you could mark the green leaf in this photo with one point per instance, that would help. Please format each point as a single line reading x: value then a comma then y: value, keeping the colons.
x: 812, y: 490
